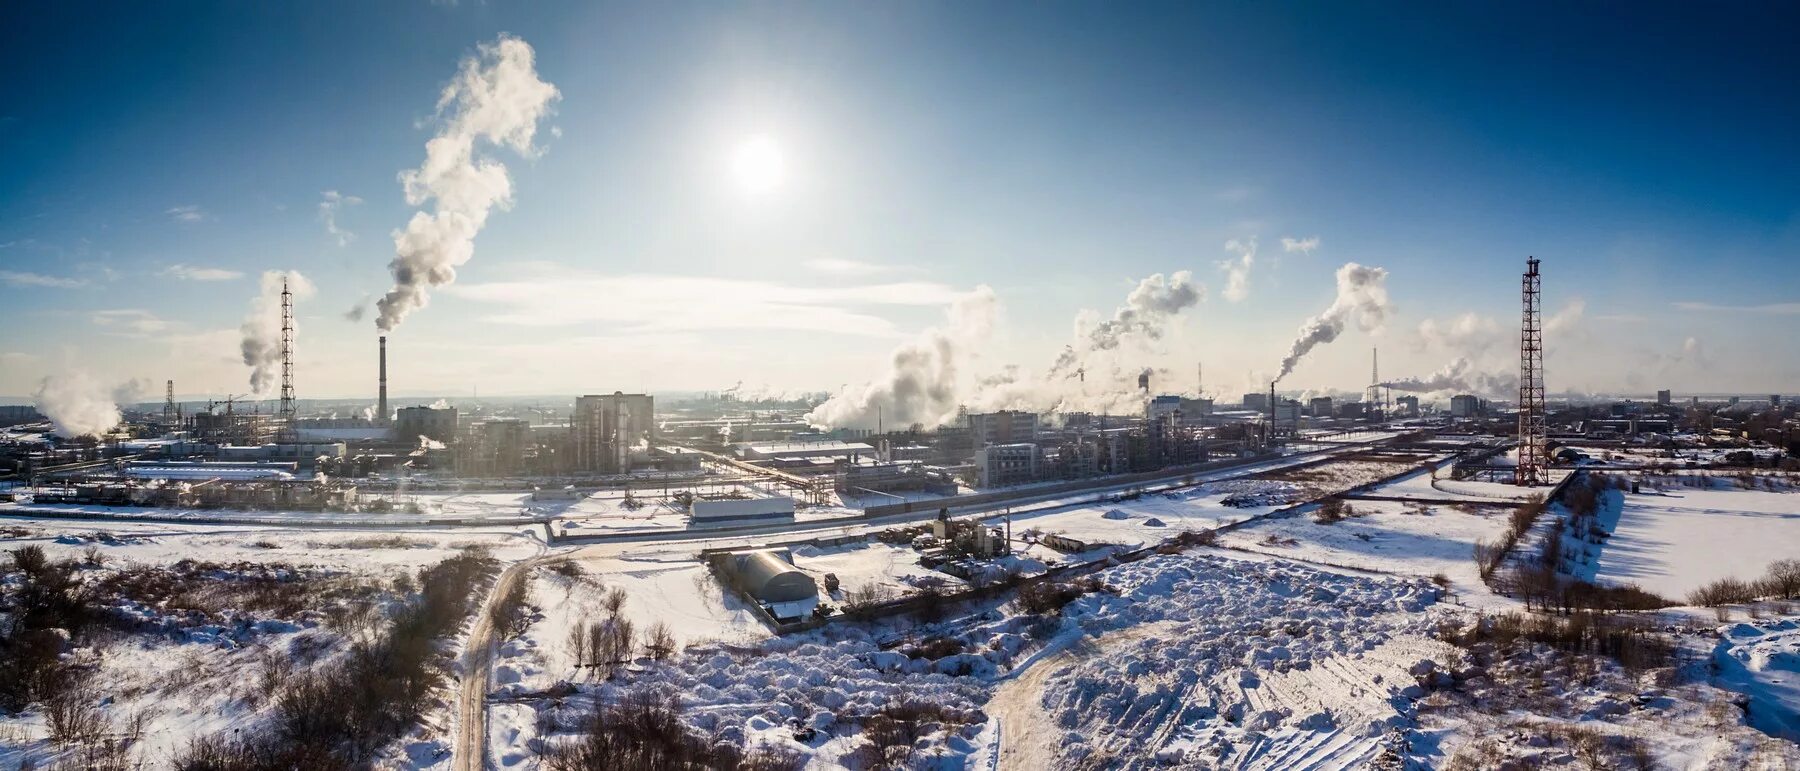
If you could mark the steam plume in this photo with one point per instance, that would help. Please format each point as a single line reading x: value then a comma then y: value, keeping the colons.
x: 76, y: 404
x: 132, y: 391
x: 261, y: 344
x: 1453, y: 377
x: 1361, y: 293
x: 495, y: 97
x: 922, y: 384
x: 1145, y: 313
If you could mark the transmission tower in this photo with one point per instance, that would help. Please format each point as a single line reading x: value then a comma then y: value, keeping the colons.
x: 1532, y: 432
x: 287, y: 362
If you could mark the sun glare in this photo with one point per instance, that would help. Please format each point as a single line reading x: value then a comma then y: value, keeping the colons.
x: 758, y: 165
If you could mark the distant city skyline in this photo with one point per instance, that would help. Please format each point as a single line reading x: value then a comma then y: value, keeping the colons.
x: 784, y: 194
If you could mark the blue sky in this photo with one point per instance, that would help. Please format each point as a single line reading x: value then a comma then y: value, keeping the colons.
x: 1055, y: 152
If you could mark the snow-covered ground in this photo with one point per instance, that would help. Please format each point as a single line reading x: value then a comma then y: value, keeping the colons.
x: 1676, y: 539
x: 205, y: 659
x: 1390, y: 536
x: 1426, y: 486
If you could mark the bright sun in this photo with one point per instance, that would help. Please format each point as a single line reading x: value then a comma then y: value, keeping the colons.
x: 758, y: 165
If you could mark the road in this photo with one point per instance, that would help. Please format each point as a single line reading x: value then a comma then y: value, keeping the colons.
x: 470, y: 749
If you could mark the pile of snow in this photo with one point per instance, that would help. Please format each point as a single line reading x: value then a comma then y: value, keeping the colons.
x: 1115, y: 514
x: 1762, y: 661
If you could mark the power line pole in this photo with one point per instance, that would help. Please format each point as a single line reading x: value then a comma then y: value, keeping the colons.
x: 1533, y: 432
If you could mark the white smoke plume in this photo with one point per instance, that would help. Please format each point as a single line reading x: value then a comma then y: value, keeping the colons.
x: 1453, y: 377
x: 497, y: 98
x: 76, y: 404
x: 1303, y: 246
x: 133, y: 391
x: 1145, y: 314
x: 923, y: 383
x: 1237, y: 271
x: 1361, y: 294
x: 261, y: 345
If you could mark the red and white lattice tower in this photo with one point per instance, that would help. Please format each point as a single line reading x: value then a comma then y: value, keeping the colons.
x: 1532, y: 432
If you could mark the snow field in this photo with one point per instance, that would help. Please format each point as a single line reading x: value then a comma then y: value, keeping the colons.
x: 1675, y: 540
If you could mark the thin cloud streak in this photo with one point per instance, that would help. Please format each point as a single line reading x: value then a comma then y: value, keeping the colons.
x: 684, y: 303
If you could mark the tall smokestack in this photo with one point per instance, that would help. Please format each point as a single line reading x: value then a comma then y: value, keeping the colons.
x: 381, y: 415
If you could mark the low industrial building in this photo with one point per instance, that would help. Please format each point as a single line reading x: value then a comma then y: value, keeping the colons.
x: 738, y: 511
x: 769, y: 578
x: 998, y: 465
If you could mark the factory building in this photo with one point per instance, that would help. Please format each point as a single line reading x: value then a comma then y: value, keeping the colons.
x: 607, y: 427
x: 1353, y: 410
x: 1256, y: 402
x: 1465, y: 406
x: 24, y: 413
x: 1163, y: 408
x: 435, y: 423
x: 1409, y: 406
x: 1663, y: 396
x: 1320, y: 407
x: 998, y: 465
x: 495, y: 447
x: 792, y: 451
x: 1004, y: 427
x: 1196, y: 409
x: 734, y: 512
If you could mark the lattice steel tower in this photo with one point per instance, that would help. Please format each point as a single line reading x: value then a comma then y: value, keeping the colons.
x: 287, y: 361
x: 1532, y: 432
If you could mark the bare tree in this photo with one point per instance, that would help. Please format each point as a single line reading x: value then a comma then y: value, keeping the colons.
x: 659, y: 642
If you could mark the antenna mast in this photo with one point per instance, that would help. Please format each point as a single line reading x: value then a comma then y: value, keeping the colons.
x: 1533, y: 432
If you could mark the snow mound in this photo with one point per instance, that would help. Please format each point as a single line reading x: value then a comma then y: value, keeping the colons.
x: 1116, y: 514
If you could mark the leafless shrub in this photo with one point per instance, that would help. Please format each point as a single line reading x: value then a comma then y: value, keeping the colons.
x: 93, y: 557
x: 72, y: 709
x: 1783, y: 578
x: 511, y: 615
x: 1725, y: 591
x: 865, y: 598
x: 659, y: 642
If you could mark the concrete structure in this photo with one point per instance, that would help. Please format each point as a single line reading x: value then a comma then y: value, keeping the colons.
x: 435, y: 423
x: 1008, y: 464
x: 1163, y: 407
x: 1465, y: 406
x: 607, y: 427
x: 1353, y: 410
x: 1663, y: 396
x: 1409, y: 406
x: 1258, y: 402
x: 1320, y: 407
x: 23, y: 413
x: 304, y: 453
x: 720, y: 512
x: 827, y: 448
x: 496, y: 446
x: 382, y: 415
x: 1004, y: 427
x: 1196, y: 409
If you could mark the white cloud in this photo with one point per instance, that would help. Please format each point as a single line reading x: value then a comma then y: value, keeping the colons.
x: 1776, y: 309
x: 21, y: 278
x: 196, y: 273
x: 131, y: 322
x: 1237, y: 272
x: 846, y: 267
x: 1301, y: 245
x: 665, y: 303
x: 188, y: 213
x: 328, y: 211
